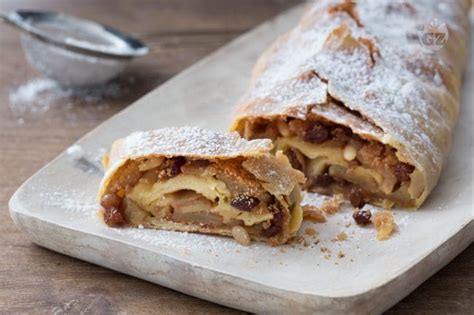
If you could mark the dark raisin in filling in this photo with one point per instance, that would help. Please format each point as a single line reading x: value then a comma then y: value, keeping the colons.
x: 244, y: 202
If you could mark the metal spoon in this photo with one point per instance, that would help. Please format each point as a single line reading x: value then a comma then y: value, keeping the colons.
x: 73, y: 51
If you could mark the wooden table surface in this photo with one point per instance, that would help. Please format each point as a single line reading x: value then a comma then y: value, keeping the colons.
x: 36, y: 280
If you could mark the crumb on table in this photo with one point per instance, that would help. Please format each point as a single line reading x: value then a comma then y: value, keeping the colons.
x: 313, y: 214
x: 384, y: 222
x: 333, y: 205
x: 340, y: 237
x: 310, y: 232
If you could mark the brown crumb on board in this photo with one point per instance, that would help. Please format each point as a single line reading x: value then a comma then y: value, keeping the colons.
x: 313, y: 214
x: 332, y: 206
x: 310, y: 232
x: 324, y: 249
x: 340, y: 237
x: 341, y: 254
x: 384, y: 222
x: 300, y: 240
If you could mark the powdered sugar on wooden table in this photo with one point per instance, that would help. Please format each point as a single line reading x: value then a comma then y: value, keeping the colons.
x: 41, y: 94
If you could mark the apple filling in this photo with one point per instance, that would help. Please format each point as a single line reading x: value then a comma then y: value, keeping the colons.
x: 223, y: 196
x: 335, y: 160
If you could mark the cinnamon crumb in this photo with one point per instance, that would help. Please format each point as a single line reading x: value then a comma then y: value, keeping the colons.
x: 313, y: 214
x: 310, y: 231
x: 327, y: 252
x: 340, y: 237
x: 300, y: 240
x: 333, y: 205
x: 324, y: 249
x: 341, y: 254
x: 384, y: 222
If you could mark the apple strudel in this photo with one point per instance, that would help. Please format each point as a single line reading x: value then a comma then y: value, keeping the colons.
x: 190, y: 179
x: 357, y: 102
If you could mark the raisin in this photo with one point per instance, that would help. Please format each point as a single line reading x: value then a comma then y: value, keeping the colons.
x: 275, y: 225
x: 403, y: 170
x: 356, y: 197
x: 113, y: 216
x: 110, y: 200
x: 323, y: 180
x: 174, y: 169
x: 362, y: 217
x: 318, y: 133
x: 244, y: 202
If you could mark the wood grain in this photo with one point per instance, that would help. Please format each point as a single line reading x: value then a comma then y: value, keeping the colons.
x: 36, y: 280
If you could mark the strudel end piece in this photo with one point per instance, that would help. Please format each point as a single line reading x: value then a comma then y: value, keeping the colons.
x: 359, y: 101
x: 190, y: 179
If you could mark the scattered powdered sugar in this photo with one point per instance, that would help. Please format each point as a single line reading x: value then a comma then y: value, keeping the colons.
x: 313, y: 199
x: 35, y: 92
x: 402, y: 219
x: 75, y: 152
x: 75, y: 202
x: 40, y: 95
x: 176, y: 240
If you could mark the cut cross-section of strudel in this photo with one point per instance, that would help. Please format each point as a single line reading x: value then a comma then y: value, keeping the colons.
x: 190, y: 179
x: 360, y: 103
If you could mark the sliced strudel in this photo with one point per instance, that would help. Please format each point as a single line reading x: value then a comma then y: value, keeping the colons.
x: 190, y: 179
x: 358, y: 101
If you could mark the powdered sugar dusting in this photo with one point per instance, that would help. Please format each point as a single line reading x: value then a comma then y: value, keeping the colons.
x: 192, y: 141
x: 72, y: 201
x: 313, y: 199
x: 34, y: 97
x: 75, y: 152
x: 40, y: 95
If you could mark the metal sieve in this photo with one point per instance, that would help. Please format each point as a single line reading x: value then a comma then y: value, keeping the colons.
x: 73, y: 51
